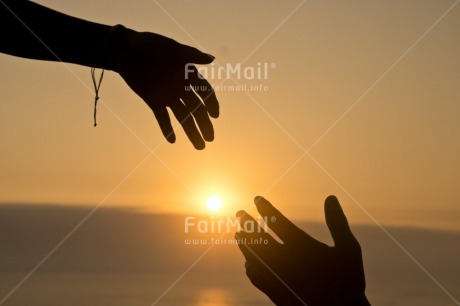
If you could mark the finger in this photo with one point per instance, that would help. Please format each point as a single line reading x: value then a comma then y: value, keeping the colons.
x: 206, y: 92
x: 200, y: 114
x: 193, y: 55
x: 162, y: 116
x: 257, y: 246
x: 268, y: 283
x: 260, y: 252
x: 248, y: 223
x: 185, y: 118
x: 283, y: 228
x: 337, y: 222
x: 253, y: 231
x: 256, y: 277
x: 246, y: 249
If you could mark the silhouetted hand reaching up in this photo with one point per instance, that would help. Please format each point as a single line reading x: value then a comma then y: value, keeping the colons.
x: 161, y: 71
x: 303, y: 270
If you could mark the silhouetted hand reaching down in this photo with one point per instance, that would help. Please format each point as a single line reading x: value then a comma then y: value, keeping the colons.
x: 303, y: 270
x: 159, y: 69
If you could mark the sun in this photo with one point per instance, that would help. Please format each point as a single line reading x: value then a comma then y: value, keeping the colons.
x: 214, y: 203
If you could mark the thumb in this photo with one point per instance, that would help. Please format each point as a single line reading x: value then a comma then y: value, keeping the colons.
x: 193, y: 55
x: 337, y: 222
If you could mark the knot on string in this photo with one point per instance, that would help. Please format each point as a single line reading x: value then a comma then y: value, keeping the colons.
x: 97, y: 86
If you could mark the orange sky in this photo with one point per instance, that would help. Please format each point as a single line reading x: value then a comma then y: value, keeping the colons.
x: 361, y: 102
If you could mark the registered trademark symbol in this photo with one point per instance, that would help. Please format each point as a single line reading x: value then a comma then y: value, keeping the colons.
x: 272, y: 218
x: 273, y: 65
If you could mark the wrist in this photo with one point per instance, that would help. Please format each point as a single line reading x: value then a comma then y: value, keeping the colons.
x: 118, y: 38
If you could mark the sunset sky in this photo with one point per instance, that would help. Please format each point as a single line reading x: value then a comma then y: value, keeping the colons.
x: 361, y: 100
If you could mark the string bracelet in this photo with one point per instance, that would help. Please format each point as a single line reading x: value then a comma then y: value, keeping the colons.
x: 97, y: 86
x: 107, y: 64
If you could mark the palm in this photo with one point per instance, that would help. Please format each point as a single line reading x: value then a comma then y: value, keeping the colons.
x: 154, y: 66
x: 302, y: 270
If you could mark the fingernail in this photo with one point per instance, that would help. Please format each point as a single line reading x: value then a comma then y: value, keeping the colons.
x: 258, y: 200
x: 240, y: 213
x: 208, y: 135
x: 171, y: 138
x: 200, y: 146
x: 332, y: 202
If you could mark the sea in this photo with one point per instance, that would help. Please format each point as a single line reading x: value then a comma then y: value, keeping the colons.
x: 123, y: 258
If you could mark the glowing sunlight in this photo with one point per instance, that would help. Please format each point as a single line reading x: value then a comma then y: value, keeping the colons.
x: 214, y: 203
